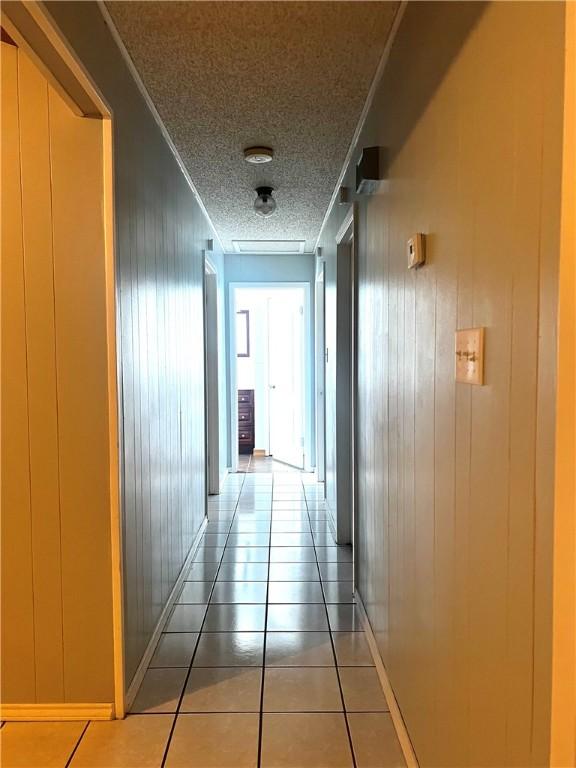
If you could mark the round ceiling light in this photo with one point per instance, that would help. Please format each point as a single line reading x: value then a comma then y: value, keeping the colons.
x: 264, y: 205
x: 258, y: 155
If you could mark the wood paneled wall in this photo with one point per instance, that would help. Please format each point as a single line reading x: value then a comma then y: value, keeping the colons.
x: 161, y: 234
x: 455, y: 482
x: 56, y: 551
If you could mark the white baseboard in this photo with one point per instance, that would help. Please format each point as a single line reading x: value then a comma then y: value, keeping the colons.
x: 134, y: 686
x: 395, y: 713
x: 57, y: 712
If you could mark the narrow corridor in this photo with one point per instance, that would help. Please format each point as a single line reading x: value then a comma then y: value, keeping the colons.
x: 264, y: 660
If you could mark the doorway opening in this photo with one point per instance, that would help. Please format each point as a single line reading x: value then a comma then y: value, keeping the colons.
x: 211, y: 378
x: 270, y: 374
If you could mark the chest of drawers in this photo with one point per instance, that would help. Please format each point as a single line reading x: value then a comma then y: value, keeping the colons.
x: 245, y: 420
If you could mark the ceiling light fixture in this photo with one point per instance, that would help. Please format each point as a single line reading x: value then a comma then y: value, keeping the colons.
x: 258, y: 155
x: 264, y: 205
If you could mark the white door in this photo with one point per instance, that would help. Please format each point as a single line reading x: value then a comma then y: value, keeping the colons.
x: 286, y: 351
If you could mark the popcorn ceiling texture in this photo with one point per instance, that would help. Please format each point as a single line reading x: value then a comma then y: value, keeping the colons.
x: 228, y: 75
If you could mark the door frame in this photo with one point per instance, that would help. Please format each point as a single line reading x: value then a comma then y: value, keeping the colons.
x: 33, y: 30
x: 211, y: 393
x: 320, y: 353
x: 233, y: 379
x: 345, y: 492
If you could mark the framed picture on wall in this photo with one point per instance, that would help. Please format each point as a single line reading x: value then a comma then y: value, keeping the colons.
x: 243, y: 333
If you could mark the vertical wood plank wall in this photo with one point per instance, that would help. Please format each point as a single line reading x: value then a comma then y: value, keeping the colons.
x: 456, y: 483
x: 161, y: 234
x: 56, y: 567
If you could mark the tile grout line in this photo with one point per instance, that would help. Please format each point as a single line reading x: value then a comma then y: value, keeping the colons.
x: 351, y: 745
x: 182, y: 693
x: 69, y: 761
x: 261, y: 713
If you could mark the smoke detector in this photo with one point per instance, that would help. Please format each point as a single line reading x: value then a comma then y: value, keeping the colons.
x: 258, y: 155
x: 264, y: 205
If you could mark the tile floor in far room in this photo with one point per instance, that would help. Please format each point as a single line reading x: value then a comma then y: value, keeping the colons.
x: 263, y: 661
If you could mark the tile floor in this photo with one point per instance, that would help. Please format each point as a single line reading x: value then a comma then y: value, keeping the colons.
x: 263, y: 661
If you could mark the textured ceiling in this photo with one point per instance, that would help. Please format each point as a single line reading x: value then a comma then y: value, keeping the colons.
x: 227, y: 75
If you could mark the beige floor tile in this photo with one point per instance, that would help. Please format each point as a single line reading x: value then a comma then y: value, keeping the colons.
x: 352, y: 649
x: 214, y: 741
x: 338, y: 591
x: 186, y: 618
x: 138, y: 741
x: 294, y: 572
x: 175, y: 649
x: 201, y: 571
x: 31, y: 745
x: 209, y: 555
x: 243, y: 572
x: 292, y: 555
x: 235, y: 618
x: 160, y: 691
x: 299, y: 649
x: 310, y: 617
x: 223, y: 689
x: 195, y: 592
x: 336, y: 571
x: 295, y: 592
x: 245, y: 555
x: 318, y: 740
x: 374, y: 740
x: 362, y: 690
x: 239, y: 592
x: 344, y: 618
x: 334, y: 554
x: 230, y: 649
x: 301, y: 689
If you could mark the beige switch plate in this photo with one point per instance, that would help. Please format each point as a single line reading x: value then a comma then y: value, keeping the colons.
x: 470, y: 355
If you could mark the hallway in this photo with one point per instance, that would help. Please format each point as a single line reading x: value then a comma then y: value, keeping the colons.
x: 264, y: 660
x: 276, y: 274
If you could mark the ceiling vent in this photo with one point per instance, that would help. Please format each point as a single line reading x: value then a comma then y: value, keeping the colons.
x: 281, y: 247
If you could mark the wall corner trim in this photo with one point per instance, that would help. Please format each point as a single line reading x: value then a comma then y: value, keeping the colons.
x: 395, y: 713
x: 58, y: 712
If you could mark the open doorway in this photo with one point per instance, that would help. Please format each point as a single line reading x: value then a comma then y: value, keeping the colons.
x: 320, y: 374
x: 211, y: 378
x: 270, y: 365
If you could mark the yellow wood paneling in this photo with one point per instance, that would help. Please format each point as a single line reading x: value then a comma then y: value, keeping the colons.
x: 81, y: 362
x: 455, y: 483
x: 56, y: 544
x: 563, y: 738
x: 18, y: 662
x: 43, y: 411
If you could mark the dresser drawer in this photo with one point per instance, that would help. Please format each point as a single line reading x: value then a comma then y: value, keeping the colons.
x: 246, y: 434
x: 246, y: 396
x: 245, y: 417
